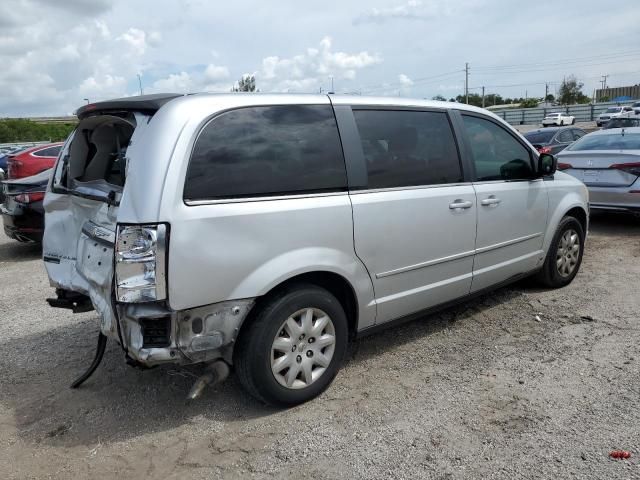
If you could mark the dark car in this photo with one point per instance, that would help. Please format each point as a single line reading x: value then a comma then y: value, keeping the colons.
x: 555, y: 139
x: 621, y: 122
x: 22, y: 210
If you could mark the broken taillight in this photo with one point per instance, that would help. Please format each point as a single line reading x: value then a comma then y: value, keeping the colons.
x: 140, y: 263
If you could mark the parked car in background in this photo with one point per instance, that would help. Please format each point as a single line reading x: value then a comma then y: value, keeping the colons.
x: 636, y: 108
x: 22, y: 210
x: 558, y: 118
x: 265, y: 231
x: 554, y: 139
x: 32, y: 160
x: 613, y: 112
x: 608, y: 162
x: 622, y: 122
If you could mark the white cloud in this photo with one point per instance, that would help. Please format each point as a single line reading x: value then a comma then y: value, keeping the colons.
x: 308, y: 71
x: 411, y: 10
x: 216, y: 72
x: 137, y: 40
x: 404, y: 80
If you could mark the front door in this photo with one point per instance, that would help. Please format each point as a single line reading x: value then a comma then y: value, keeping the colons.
x: 415, y: 219
x: 512, y: 206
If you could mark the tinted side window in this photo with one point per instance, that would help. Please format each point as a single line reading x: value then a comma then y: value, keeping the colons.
x: 565, y: 136
x: 578, y: 134
x: 496, y: 154
x: 48, y: 152
x: 406, y: 148
x: 260, y: 151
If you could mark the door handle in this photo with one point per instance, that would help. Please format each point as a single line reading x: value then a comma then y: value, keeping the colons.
x: 492, y: 200
x: 458, y: 204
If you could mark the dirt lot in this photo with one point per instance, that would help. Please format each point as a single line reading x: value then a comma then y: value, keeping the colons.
x: 481, y: 391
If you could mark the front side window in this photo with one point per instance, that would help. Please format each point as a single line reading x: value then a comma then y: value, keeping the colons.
x: 263, y: 151
x: 408, y: 148
x: 497, y: 155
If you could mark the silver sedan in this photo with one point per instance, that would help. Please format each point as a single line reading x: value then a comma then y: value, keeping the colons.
x: 608, y: 162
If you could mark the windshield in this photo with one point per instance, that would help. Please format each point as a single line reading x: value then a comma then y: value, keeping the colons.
x: 554, y: 115
x: 613, y: 110
x: 617, y: 141
x: 539, y: 137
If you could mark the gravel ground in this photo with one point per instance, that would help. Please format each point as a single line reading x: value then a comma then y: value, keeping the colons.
x: 483, y: 390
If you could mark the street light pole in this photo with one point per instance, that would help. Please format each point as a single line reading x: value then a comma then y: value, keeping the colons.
x: 140, y: 83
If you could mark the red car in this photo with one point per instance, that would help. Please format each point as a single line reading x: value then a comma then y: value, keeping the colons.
x: 32, y: 160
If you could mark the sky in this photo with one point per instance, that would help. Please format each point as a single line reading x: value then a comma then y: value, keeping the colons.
x: 55, y: 54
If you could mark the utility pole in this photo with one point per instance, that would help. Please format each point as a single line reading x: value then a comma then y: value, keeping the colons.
x: 466, y: 83
x: 546, y: 91
x: 332, y: 90
x: 140, y: 84
x: 482, y: 97
x: 604, y: 81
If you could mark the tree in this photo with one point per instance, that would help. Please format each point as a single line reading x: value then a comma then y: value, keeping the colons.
x: 530, y: 103
x: 549, y: 98
x: 246, y: 84
x: 571, y: 92
x: 439, y: 97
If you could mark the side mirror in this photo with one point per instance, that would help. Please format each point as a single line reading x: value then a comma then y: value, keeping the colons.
x: 547, y: 164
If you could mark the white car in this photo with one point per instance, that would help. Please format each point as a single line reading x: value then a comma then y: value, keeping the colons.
x: 558, y: 119
x: 636, y: 108
x: 614, y: 112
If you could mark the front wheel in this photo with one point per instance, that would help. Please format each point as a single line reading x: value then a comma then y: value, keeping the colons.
x: 292, y: 349
x: 565, y: 254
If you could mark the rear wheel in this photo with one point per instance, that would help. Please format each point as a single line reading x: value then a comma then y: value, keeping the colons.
x: 565, y: 254
x: 573, y: 122
x: 561, y: 123
x: 293, y: 347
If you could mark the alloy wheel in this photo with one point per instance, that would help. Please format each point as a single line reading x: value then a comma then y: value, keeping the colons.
x: 568, y: 253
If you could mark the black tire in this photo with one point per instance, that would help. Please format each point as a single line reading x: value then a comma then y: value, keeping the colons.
x: 252, y: 355
x: 550, y: 275
x: 573, y: 122
x: 562, y: 123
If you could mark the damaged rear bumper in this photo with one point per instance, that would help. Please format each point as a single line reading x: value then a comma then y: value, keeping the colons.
x: 152, y: 334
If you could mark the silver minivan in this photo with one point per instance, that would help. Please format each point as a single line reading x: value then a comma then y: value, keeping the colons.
x: 263, y: 232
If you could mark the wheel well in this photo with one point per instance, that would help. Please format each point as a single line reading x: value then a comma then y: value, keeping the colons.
x: 334, y: 283
x: 580, y: 215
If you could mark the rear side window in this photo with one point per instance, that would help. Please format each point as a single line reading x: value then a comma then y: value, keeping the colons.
x: 262, y: 151
x: 497, y: 155
x: 578, y: 134
x: 408, y: 148
x: 565, y: 136
x: 48, y: 152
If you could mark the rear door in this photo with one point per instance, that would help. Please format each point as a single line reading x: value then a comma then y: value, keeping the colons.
x: 512, y: 208
x: 414, y: 214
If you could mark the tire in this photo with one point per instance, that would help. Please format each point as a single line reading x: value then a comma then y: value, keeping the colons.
x: 562, y: 123
x: 573, y: 122
x: 552, y: 274
x: 260, y: 348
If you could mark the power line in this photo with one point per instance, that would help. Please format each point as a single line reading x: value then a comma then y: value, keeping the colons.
x: 561, y: 62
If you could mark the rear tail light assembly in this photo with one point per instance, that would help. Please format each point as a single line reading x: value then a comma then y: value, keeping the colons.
x: 141, y: 263
x: 29, y: 197
x: 544, y: 150
x: 632, y: 168
x: 564, y: 166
